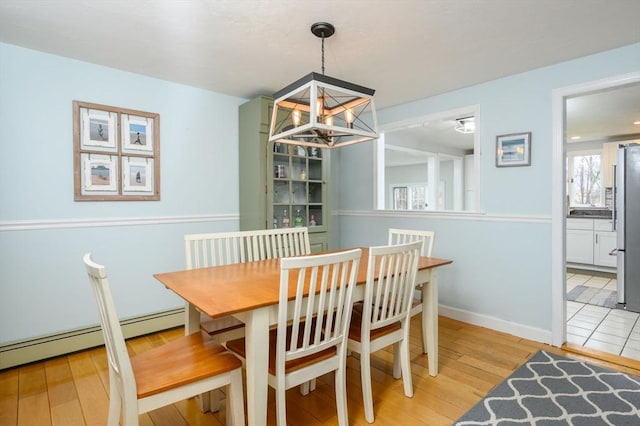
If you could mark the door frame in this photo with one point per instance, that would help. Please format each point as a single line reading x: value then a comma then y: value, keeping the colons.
x: 558, y: 198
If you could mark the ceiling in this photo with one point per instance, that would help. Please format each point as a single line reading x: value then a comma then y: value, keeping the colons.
x: 406, y: 49
x: 604, y: 115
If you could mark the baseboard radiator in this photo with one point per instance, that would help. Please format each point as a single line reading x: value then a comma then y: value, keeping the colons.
x: 26, y: 351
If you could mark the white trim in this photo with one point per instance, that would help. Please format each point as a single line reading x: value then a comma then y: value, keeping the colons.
x: 558, y: 201
x: 493, y: 323
x: 446, y: 215
x: 469, y: 109
x: 26, y: 225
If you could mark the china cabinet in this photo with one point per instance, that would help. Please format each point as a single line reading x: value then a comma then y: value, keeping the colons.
x: 281, y: 185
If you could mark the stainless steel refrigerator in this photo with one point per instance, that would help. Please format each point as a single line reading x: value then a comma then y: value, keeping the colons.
x: 627, y: 221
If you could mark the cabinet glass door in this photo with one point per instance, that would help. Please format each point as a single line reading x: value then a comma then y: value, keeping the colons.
x: 297, y: 186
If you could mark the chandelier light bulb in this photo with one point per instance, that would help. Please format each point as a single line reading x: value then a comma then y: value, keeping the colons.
x: 328, y: 120
x: 349, y: 117
x: 296, y: 117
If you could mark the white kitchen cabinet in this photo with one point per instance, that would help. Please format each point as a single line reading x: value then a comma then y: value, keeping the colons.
x: 579, y: 246
x: 589, y: 242
x: 604, y: 242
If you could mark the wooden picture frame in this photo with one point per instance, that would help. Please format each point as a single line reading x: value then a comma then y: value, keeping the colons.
x: 116, y: 153
x: 513, y: 150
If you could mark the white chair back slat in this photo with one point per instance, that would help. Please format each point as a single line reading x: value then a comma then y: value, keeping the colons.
x: 404, y: 236
x: 392, y: 272
x: 223, y: 248
x: 320, y: 320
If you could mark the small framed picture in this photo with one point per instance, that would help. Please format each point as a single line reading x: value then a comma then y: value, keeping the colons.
x: 137, y: 175
x: 99, y: 173
x: 137, y: 133
x: 513, y: 150
x: 98, y: 129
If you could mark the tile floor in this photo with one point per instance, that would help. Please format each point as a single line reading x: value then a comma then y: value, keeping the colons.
x: 610, y: 330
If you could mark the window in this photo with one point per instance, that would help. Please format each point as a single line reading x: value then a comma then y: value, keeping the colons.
x: 409, y: 197
x: 425, y: 164
x: 584, y: 178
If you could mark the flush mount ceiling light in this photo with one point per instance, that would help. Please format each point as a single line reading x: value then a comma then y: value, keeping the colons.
x: 465, y: 125
x: 322, y: 111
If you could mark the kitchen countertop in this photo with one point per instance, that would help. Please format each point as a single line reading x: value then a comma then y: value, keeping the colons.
x: 589, y: 213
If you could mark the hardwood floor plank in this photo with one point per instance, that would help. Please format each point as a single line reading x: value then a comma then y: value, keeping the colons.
x: 9, y: 382
x: 67, y: 414
x: 92, y: 394
x: 33, y: 380
x: 33, y: 400
x: 63, y: 398
x: 59, y: 381
x: 34, y: 410
x: 167, y: 416
x: 190, y: 411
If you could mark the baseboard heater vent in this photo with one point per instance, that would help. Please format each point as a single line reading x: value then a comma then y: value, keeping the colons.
x: 26, y: 351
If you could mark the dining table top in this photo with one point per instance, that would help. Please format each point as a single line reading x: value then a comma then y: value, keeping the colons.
x: 224, y: 290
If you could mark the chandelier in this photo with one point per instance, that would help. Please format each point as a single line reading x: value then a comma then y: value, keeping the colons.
x: 322, y: 111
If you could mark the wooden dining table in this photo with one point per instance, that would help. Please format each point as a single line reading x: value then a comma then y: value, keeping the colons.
x: 249, y: 291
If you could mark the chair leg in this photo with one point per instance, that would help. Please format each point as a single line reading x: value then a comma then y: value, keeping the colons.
x: 307, y: 387
x: 115, y: 403
x: 214, y: 400
x: 405, y: 361
x: 341, y: 396
x: 365, y: 377
x: 235, y: 400
x: 425, y: 347
x: 130, y: 414
x: 281, y: 406
x: 397, y: 369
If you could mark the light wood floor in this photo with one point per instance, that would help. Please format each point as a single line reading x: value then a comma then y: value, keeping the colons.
x: 73, y: 390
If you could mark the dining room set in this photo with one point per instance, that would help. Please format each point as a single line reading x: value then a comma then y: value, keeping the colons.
x: 250, y: 290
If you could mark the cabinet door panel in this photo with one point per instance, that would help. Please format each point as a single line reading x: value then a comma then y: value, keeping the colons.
x: 579, y: 246
x: 604, y: 243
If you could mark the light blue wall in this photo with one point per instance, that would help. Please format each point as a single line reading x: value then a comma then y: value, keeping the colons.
x: 502, y: 259
x: 43, y: 285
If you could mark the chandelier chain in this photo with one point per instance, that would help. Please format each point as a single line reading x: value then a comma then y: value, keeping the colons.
x: 322, y: 55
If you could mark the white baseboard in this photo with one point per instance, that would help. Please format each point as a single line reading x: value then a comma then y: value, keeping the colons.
x: 523, y: 331
x: 23, y: 352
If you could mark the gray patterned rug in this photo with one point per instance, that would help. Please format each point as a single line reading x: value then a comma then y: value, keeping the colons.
x: 594, y: 296
x: 550, y: 390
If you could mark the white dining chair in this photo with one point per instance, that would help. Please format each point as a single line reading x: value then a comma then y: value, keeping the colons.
x: 166, y: 374
x: 382, y: 319
x: 224, y: 248
x: 310, y: 338
x: 402, y: 236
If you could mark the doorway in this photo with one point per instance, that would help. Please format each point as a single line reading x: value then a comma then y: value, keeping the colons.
x: 560, y: 205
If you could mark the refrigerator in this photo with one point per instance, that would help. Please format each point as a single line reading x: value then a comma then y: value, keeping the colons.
x: 627, y: 225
